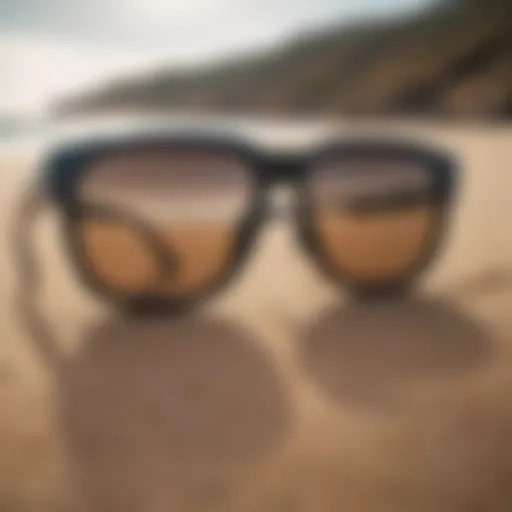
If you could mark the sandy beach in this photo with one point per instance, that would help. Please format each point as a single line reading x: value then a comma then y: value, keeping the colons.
x: 280, y: 395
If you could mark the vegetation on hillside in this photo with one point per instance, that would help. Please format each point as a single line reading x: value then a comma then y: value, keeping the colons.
x: 454, y: 60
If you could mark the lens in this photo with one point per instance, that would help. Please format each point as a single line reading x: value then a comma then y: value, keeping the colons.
x: 374, y: 216
x: 193, y: 201
x: 120, y: 256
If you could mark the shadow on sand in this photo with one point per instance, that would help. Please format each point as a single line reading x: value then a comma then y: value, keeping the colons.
x: 163, y: 414
x: 367, y: 354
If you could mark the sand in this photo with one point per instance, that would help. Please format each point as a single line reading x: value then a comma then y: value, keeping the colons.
x: 281, y: 395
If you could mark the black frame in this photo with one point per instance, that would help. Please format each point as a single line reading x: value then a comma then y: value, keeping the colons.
x: 66, y: 166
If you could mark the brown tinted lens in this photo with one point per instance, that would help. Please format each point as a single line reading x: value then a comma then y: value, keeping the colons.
x: 373, y: 216
x: 120, y: 257
x: 193, y: 201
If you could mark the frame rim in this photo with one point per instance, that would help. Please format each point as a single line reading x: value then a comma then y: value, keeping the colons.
x: 71, y: 166
x: 439, y: 164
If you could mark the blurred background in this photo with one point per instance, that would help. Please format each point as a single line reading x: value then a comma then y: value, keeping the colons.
x: 448, y: 59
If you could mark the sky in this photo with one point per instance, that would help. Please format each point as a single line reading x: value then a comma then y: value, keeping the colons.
x: 50, y: 48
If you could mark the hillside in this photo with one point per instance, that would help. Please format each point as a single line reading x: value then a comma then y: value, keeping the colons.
x: 452, y: 61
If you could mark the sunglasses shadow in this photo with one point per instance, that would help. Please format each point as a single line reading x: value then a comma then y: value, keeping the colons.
x: 369, y: 354
x: 163, y: 414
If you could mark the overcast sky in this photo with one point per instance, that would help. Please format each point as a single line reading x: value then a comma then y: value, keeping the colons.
x: 49, y: 47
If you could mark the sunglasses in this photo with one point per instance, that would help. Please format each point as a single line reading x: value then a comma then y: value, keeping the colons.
x: 156, y: 223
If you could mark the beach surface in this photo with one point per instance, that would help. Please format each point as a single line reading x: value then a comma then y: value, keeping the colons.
x: 280, y: 394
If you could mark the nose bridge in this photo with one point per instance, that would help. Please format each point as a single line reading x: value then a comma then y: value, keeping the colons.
x: 284, y: 168
x: 282, y: 173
